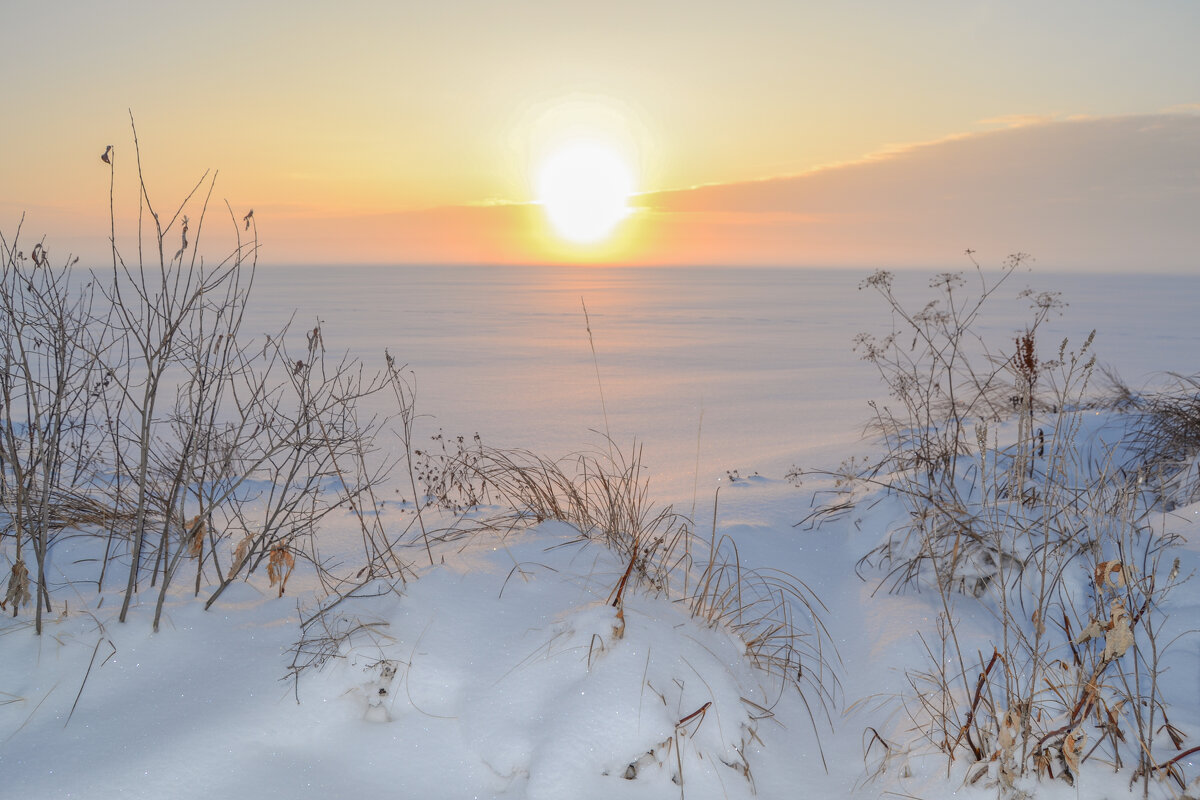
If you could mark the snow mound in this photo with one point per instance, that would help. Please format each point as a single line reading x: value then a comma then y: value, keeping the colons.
x: 525, y: 662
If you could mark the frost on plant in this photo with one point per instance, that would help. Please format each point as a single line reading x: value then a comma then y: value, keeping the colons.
x: 1019, y: 498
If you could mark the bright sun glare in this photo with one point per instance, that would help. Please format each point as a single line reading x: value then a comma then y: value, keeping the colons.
x: 584, y: 188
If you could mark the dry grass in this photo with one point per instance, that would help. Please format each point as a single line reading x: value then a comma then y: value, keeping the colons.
x: 605, y: 496
x: 70, y: 509
x: 1166, y: 440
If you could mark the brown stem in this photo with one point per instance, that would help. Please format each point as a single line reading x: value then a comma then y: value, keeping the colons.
x: 1184, y: 754
x: 965, y: 729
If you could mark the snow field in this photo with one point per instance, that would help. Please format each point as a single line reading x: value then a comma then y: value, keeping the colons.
x: 502, y: 671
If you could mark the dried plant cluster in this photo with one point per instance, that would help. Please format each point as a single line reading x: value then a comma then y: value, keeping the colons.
x: 604, y: 495
x: 1012, y: 503
x: 139, y: 414
x: 1166, y: 438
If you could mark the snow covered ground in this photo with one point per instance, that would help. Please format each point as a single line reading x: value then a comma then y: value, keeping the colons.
x: 504, y: 671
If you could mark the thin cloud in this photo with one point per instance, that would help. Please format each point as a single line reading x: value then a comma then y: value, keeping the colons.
x: 1019, y: 120
x: 1101, y: 192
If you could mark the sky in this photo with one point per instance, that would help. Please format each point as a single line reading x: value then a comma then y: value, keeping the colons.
x: 803, y: 133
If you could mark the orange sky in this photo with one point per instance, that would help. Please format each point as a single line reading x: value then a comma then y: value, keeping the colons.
x: 865, y: 133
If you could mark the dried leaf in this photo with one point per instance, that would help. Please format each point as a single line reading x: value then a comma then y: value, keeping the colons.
x: 280, y: 566
x: 195, y: 530
x: 239, y: 555
x: 1043, y: 763
x: 18, y: 587
x: 1119, y: 637
x: 1177, y: 736
x: 1007, y: 775
x: 1072, y: 748
x: 1112, y: 725
x: 1112, y: 575
x: 183, y: 234
x: 1010, y: 724
x: 1094, y: 630
x: 1117, y: 610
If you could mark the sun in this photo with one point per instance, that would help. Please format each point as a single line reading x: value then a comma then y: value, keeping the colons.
x: 584, y: 188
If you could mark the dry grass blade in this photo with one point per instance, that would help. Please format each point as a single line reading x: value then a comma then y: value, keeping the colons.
x: 88, y: 674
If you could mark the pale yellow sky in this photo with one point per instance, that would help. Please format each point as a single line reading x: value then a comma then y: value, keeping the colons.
x: 326, y: 116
